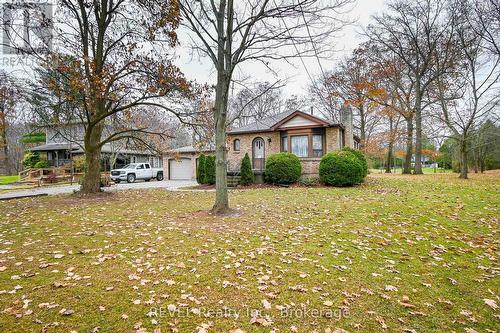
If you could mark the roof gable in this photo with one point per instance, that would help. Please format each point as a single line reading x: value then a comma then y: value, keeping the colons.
x: 273, y: 123
x: 300, y: 119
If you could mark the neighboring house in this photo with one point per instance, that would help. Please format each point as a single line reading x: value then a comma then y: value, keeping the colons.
x: 303, y: 134
x: 62, y: 145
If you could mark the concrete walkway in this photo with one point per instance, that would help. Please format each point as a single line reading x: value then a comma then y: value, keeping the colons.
x: 171, y: 185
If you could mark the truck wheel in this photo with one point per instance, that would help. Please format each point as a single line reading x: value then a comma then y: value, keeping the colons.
x: 159, y: 176
x: 131, y: 178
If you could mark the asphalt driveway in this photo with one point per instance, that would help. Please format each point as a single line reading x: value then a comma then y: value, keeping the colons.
x: 64, y: 189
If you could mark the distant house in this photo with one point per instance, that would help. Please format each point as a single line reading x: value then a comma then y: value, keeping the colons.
x: 63, y: 143
x: 305, y: 135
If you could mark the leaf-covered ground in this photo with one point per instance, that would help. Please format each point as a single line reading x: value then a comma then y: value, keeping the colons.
x: 399, y: 253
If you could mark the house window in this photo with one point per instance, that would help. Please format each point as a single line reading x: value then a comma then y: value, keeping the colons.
x: 317, y: 144
x: 284, y: 144
x: 236, y: 145
x: 300, y: 145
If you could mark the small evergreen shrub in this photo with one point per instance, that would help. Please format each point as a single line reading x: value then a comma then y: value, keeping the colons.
x: 42, y: 164
x: 361, y: 158
x: 200, y: 172
x: 283, y: 168
x: 209, y: 170
x: 247, y: 176
x: 341, y: 169
x: 30, y: 159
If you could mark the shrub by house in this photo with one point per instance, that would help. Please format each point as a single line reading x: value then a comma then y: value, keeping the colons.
x: 200, y: 171
x: 210, y: 170
x: 361, y: 158
x: 283, y: 168
x: 341, y: 168
x: 247, y: 176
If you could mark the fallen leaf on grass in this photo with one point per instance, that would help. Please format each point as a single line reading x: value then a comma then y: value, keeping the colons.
x: 66, y: 312
x: 491, y: 303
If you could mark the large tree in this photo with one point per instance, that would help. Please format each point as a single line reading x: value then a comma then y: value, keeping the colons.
x: 231, y: 32
x: 414, y: 32
x: 468, y: 85
x: 110, y: 58
x: 394, y: 90
x: 255, y: 102
x: 350, y: 83
x: 10, y: 94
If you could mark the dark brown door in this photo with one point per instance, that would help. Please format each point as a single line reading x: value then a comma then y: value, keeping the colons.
x: 258, y: 154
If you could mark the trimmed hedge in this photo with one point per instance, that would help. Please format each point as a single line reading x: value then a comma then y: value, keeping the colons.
x: 361, y: 158
x: 341, y: 169
x: 200, y: 171
x: 247, y: 176
x: 209, y: 170
x: 283, y: 168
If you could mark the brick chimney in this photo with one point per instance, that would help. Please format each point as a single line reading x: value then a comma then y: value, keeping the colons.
x: 346, y: 119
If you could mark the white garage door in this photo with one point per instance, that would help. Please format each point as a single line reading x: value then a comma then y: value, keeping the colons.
x: 181, y: 169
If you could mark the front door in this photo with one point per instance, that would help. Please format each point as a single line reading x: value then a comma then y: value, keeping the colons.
x: 258, y: 154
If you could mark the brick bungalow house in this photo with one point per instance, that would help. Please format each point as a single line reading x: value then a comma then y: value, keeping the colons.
x: 305, y: 135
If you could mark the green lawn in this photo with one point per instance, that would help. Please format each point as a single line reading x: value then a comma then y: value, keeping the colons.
x: 5, y: 180
x: 398, y: 253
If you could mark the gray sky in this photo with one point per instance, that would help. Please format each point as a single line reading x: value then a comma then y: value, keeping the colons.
x: 202, y: 70
x: 298, y: 81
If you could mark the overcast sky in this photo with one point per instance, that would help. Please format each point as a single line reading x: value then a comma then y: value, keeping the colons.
x: 298, y: 81
x: 202, y: 71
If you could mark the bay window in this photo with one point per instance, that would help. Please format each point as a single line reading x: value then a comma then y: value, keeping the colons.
x: 300, y: 145
x: 284, y: 144
x: 317, y: 143
x: 304, y: 143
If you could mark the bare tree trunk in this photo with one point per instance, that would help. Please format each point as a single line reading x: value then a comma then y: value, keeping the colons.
x: 409, y: 145
x: 224, y: 69
x: 390, y: 147
x: 362, y: 128
x: 418, y: 132
x: 92, y: 176
x: 389, y: 159
x: 4, y: 143
x: 463, y: 159
x: 221, y: 204
x: 476, y: 160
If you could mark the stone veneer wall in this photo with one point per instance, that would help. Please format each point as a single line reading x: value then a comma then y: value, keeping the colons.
x: 332, y: 139
x: 234, y: 157
x: 310, y: 165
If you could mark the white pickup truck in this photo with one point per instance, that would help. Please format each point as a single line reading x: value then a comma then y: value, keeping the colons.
x: 134, y: 171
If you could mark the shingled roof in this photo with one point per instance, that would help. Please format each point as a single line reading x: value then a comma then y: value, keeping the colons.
x: 266, y: 124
